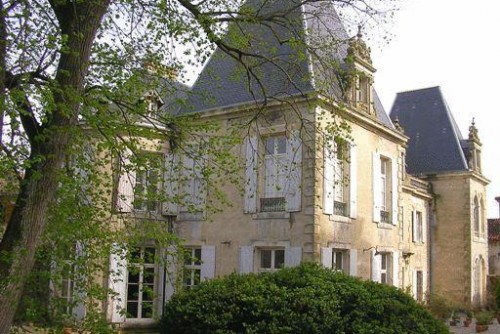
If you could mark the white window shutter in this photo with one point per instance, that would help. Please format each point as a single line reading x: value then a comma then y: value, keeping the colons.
x: 251, y: 175
x: 414, y: 226
x: 395, y: 269
x: 353, y: 262
x: 376, y: 267
x: 395, y: 191
x: 293, y: 188
x: 199, y: 191
x: 160, y: 297
x: 207, y: 262
x: 353, y: 184
x: 293, y: 256
x: 326, y: 257
x: 79, y: 310
x: 117, y: 282
x: 414, y: 285
x: 126, y: 184
x: 171, y: 185
x: 328, y: 177
x: 376, y: 186
x: 246, y: 259
x: 171, y: 259
x: 424, y: 227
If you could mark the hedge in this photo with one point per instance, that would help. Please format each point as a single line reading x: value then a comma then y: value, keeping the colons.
x: 304, y: 299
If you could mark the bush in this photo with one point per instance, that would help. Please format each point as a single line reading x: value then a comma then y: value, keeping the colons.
x: 304, y: 299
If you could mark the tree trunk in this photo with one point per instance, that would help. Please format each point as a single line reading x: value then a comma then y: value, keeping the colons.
x: 79, y: 21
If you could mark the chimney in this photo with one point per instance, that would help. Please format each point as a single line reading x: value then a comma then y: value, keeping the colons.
x: 498, y: 200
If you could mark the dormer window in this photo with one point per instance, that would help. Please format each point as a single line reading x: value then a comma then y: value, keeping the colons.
x: 363, y: 90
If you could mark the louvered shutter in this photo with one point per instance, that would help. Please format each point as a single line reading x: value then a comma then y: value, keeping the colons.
x: 414, y: 285
x: 207, y: 262
x: 171, y: 259
x: 425, y: 221
x: 293, y: 256
x: 353, y: 262
x: 328, y: 178
x: 395, y: 269
x: 246, y: 259
x: 353, y: 184
x: 79, y: 310
x: 171, y: 185
x: 414, y: 225
x: 117, y: 282
x: 376, y: 267
x: 376, y: 186
x: 126, y: 184
x: 326, y: 257
x: 293, y: 188
x: 395, y: 190
x: 251, y: 159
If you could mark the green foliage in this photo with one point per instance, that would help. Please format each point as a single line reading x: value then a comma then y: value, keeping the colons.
x: 304, y: 299
x: 483, y: 318
x: 438, y: 306
x: 497, y: 295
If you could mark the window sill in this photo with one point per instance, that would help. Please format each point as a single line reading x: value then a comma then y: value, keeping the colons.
x: 418, y: 243
x: 385, y: 226
x: 340, y: 219
x: 271, y: 215
x: 480, y: 239
x: 191, y: 216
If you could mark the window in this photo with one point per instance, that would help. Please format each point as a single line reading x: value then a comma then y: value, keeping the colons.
x: 273, y: 173
x: 476, y: 216
x: 339, y: 178
x: 418, y: 227
x: 192, y: 267
x: 385, y: 268
x: 363, y: 90
x: 420, y: 286
x: 141, y: 275
x: 65, y: 294
x: 271, y: 259
x: 147, y: 183
x: 275, y: 165
x: 340, y: 260
x: 385, y: 189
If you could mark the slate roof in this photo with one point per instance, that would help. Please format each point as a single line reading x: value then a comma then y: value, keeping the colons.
x: 435, y: 143
x: 287, y: 68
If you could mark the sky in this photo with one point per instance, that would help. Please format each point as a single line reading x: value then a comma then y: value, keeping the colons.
x: 453, y: 44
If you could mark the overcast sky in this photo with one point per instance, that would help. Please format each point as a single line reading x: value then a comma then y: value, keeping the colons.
x: 454, y: 44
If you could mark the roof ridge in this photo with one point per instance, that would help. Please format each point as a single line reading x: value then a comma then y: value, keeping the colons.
x: 420, y: 89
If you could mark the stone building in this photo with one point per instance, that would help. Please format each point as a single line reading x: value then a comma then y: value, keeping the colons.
x: 494, y: 245
x: 398, y: 202
x: 437, y: 153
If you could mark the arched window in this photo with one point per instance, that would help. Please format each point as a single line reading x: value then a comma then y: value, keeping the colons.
x: 482, y: 221
x: 475, y: 218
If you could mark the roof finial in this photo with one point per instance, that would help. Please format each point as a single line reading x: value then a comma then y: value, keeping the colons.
x: 473, y: 131
x: 360, y: 31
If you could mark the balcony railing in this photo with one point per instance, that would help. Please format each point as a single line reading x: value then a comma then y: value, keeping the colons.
x: 272, y: 204
x: 384, y: 217
x: 339, y: 208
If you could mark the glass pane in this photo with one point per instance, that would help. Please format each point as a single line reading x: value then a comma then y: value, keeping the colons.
x: 197, y: 277
x: 132, y: 292
x: 187, y: 277
x: 265, y: 258
x: 384, y: 261
x: 135, y: 254
x: 281, y: 145
x: 149, y: 275
x: 149, y: 255
x: 147, y: 310
x: 132, y: 309
x: 383, y: 278
x: 197, y: 255
x: 270, y: 145
x: 279, y: 258
x: 338, y: 260
x: 148, y: 292
x: 133, y: 275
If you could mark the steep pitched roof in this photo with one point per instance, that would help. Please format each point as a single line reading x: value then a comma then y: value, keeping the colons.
x: 286, y: 67
x: 435, y: 143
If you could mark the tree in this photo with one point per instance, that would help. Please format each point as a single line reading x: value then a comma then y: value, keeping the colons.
x: 62, y: 63
x: 304, y: 299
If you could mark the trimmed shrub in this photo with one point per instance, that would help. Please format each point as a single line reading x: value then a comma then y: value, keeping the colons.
x: 304, y: 299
